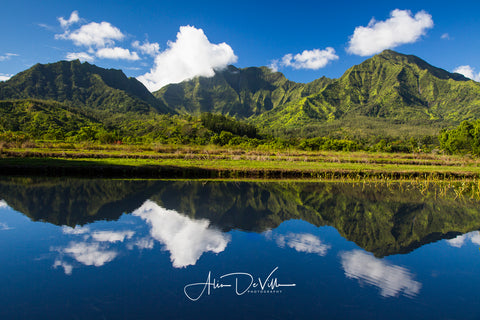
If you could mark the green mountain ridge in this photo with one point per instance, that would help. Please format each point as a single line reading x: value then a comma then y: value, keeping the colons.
x: 388, y: 96
x: 82, y: 85
x: 236, y: 92
x: 387, y: 87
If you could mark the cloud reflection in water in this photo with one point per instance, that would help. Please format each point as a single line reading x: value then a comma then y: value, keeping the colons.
x: 186, y: 239
x: 391, y: 279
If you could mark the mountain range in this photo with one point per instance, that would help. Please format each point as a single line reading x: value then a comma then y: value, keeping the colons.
x: 389, y: 90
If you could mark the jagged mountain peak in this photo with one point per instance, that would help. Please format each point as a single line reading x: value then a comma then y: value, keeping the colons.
x: 82, y: 85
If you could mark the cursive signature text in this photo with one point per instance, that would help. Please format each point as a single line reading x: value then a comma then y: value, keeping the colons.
x: 241, y: 282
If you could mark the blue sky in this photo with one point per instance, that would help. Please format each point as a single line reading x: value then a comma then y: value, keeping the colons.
x: 166, y: 41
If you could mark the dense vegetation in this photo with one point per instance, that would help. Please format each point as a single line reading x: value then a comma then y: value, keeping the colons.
x: 236, y: 92
x: 391, y: 102
x: 82, y: 85
x: 463, y: 139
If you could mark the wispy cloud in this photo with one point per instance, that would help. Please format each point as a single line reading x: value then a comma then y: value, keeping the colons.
x: 191, y: 55
x: 400, y: 28
x: 302, y: 242
x: 445, y: 36
x: 308, y: 59
x: 391, y: 279
x: 8, y: 56
x: 4, y: 226
x: 468, y: 72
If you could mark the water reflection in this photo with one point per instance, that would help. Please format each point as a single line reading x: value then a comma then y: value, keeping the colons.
x: 186, y: 239
x: 128, y: 253
x: 301, y: 242
x: 3, y: 204
x: 460, y: 240
x: 383, y: 219
x: 391, y: 279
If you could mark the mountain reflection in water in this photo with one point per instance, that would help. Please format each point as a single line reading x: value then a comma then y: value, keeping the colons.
x: 383, y: 219
x: 127, y: 249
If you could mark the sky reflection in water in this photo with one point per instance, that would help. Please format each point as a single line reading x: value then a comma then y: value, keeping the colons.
x: 151, y: 253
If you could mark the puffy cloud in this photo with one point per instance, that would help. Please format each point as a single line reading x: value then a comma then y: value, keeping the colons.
x: 3, y: 204
x: 459, y: 241
x: 391, y: 279
x: 112, y: 236
x: 77, y: 230
x: 82, y: 56
x: 186, y: 239
x: 74, y: 18
x: 303, y: 242
x: 67, y: 268
x: 308, y: 59
x: 468, y: 72
x: 5, y: 77
x: 89, y: 254
x: 7, y: 56
x: 399, y: 29
x: 117, y: 54
x: 191, y: 55
x: 151, y: 49
x: 93, y: 34
x: 142, y: 243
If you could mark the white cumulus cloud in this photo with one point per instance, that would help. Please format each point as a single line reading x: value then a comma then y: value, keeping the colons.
x: 67, y: 268
x: 191, y: 55
x: 400, y: 28
x: 303, y: 242
x: 117, y: 54
x: 112, y: 236
x: 186, y: 239
x: 65, y: 23
x: 77, y: 230
x: 460, y: 240
x: 90, y: 254
x: 391, y: 279
x: 468, y: 72
x: 5, y: 77
x: 93, y: 34
x: 82, y: 56
x: 3, y: 204
x: 308, y: 59
x: 151, y: 49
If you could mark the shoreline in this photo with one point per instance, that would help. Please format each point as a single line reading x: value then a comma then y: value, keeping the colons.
x: 184, y: 169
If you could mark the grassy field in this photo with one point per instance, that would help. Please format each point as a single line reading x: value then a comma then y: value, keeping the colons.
x: 162, y: 161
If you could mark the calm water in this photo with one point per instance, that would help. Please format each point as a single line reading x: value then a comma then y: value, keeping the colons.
x: 113, y: 249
